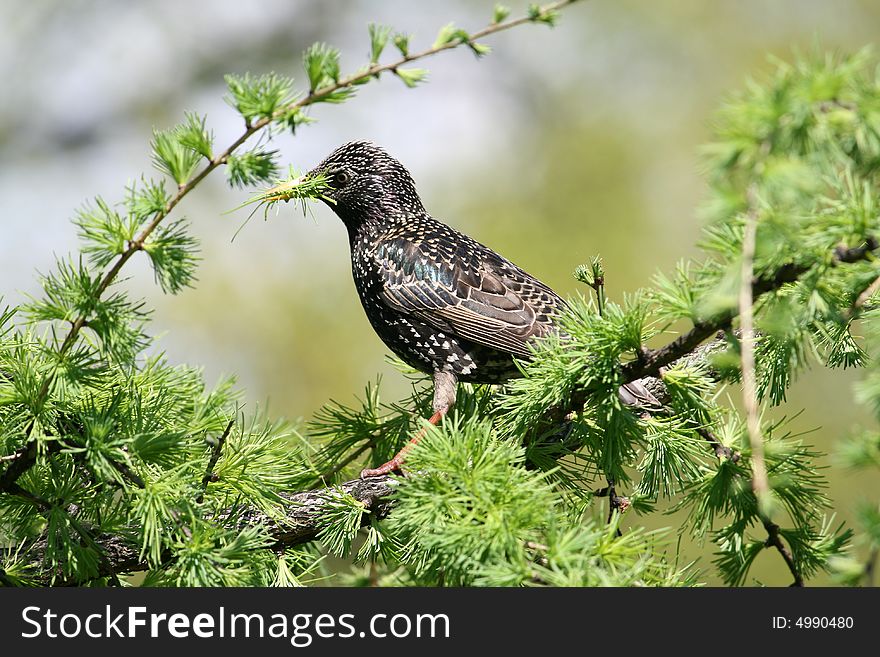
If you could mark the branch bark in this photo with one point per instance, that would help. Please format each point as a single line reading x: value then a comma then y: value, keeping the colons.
x: 774, y: 540
x: 300, y: 524
x: 652, y: 360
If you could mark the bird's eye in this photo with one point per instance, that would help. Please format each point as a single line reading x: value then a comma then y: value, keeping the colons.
x: 341, y: 178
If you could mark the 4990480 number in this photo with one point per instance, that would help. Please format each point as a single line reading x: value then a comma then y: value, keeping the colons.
x: 824, y: 622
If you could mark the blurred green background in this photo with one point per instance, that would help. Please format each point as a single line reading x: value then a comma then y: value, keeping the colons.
x: 559, y: 145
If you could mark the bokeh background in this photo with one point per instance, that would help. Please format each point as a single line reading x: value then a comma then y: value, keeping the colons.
x: 559, y: 145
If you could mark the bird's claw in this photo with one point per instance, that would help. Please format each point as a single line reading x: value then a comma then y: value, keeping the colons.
x: 386, y: 468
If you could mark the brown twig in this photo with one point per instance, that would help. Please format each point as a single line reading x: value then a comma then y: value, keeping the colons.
x: 774, y: 540
x: 21, y: 461
x: 18, y: 491
x: 130, y: 475
x: 616, y: 502
x: 871, y: 566
x: 215, y: 456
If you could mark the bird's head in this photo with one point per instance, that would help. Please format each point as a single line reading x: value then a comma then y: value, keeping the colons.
x: 365, y: 182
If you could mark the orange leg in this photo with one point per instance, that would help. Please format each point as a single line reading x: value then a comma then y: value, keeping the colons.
x: 394, y: 464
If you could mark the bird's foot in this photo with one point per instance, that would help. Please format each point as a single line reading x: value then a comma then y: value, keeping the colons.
x: 394, y: 465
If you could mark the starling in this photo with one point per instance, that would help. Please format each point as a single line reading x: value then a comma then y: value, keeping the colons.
x: 444, y: 303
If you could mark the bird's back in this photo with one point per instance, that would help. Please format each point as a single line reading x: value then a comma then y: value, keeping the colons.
x: 443, y: 301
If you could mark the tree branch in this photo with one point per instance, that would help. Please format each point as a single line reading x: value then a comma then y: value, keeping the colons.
x: 215, y: 456
x: 299, y: 524
x: 654, y: 359
x: 774, y: 540
x: 20, y: 461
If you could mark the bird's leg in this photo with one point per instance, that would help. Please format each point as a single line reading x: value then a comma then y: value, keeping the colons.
x: 394, y: 464
x: 444, y: 397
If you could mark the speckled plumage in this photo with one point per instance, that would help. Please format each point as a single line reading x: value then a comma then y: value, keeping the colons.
x: 443, y: 302
x: 438, y: 299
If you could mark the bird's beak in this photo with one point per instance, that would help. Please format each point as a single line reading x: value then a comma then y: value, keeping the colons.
x: 303, y: 188
x: 284, y: 191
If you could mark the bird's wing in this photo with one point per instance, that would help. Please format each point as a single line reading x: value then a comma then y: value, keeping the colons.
x: 470, y: 292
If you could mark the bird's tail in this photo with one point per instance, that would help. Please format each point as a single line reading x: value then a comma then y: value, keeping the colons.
x: 634, y: 394
x: 637, y: 396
